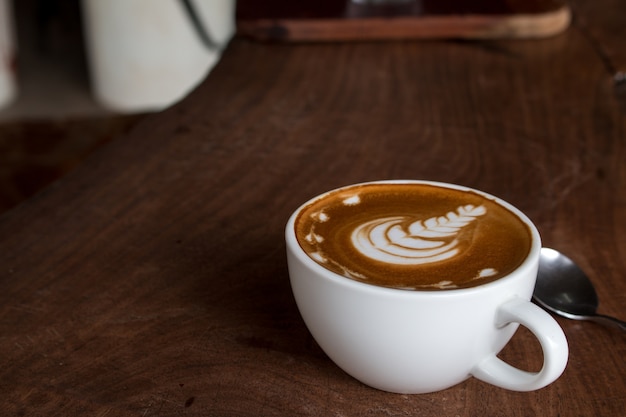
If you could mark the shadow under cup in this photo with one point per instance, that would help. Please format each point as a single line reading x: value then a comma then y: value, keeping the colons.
x: 415, y: 341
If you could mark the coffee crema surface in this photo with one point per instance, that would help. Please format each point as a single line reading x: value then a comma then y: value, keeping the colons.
x: 413, y: 236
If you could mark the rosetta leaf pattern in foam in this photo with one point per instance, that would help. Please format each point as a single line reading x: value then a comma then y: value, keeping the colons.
x: 448, y: 225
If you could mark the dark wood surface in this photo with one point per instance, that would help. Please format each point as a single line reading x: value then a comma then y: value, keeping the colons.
x: 152, y: 280
x: 35, y: 153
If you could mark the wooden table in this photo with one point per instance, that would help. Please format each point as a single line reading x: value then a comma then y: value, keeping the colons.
x: 152, y: 280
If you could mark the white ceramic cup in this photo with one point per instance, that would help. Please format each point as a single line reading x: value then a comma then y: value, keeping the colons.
x: 423, y: 341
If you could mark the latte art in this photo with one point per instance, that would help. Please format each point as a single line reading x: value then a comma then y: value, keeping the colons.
x: 413, y: 236
x: 397, y: 240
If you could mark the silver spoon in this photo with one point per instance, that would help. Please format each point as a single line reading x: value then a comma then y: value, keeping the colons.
x: 563, y: 288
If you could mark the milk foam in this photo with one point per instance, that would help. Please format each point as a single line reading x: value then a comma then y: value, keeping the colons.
x: 402, y: 240
x: 413, y: 236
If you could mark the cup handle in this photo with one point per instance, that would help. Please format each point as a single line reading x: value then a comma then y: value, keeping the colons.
x: 553, y: 343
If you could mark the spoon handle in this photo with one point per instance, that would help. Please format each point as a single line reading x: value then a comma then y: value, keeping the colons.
x: 609, y: 321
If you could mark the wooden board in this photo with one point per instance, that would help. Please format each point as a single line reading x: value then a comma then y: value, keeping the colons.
x: 335, y: 20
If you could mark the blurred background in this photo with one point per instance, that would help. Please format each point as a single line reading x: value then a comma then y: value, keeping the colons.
x: 52, y: 120
x: 75, y: 74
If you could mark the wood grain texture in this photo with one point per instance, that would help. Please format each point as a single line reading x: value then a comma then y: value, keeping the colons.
x: 606, y: 37
x: 152, y: 280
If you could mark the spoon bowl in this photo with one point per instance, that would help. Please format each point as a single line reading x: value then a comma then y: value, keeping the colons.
x: 564, y: 289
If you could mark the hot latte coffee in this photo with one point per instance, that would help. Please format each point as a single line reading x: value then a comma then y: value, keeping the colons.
x: 413, y: 236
